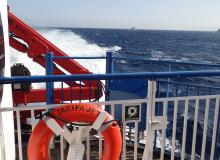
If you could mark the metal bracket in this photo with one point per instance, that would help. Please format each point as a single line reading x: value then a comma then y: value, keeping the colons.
x: 158, y: 122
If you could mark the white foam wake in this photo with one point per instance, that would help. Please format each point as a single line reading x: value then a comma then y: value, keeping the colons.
x: 70, y: 43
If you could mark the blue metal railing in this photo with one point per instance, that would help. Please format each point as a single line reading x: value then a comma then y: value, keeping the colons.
x: 199, y: 88
x: 140, y: 75
x: 167, y: 61
x: 50, y: 78
x: 146, y: 75
x: 61, y: 57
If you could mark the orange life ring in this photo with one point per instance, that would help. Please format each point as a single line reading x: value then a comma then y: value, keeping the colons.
x: 40, y: 138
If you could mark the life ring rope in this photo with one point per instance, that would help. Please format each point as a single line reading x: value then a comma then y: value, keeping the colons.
x: 49, y: 114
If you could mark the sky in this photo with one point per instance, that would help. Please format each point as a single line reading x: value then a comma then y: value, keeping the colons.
x: 198, y: 15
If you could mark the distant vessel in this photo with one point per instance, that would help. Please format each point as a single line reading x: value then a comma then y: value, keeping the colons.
x: 218, y: 30
x: 132, y: 28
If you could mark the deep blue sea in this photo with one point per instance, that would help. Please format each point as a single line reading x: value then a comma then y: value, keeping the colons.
x: 154, y: 44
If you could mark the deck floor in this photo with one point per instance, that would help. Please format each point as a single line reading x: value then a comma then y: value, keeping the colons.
x: 94, y: 154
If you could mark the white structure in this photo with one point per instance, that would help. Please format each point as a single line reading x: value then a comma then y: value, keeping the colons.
x: 7, y: 141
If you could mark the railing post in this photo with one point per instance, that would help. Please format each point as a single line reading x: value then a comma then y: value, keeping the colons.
x: 217, y: 156
x: 109, y: 68
x: 166, y: 107
x: 49, y: 85
x: 168, y: 80
x: 148, y: 150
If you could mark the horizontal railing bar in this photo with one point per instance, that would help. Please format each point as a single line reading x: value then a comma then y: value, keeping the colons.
x: 62, y: 57
x: 147, y: 75
x: 167, y: 61
x: 167, y: 99
x: 135, y: 58
x: 149, y: 60
x: 184, y: 98
x: 25, y: 108
x: 190, y: 85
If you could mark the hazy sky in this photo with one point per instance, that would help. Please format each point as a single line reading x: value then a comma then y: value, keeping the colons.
x: 143, y: 14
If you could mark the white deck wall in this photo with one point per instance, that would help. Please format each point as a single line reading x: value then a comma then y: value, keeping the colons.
x: 7, y: 118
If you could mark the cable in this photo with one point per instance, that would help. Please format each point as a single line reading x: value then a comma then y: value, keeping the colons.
x: 40, y: 116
